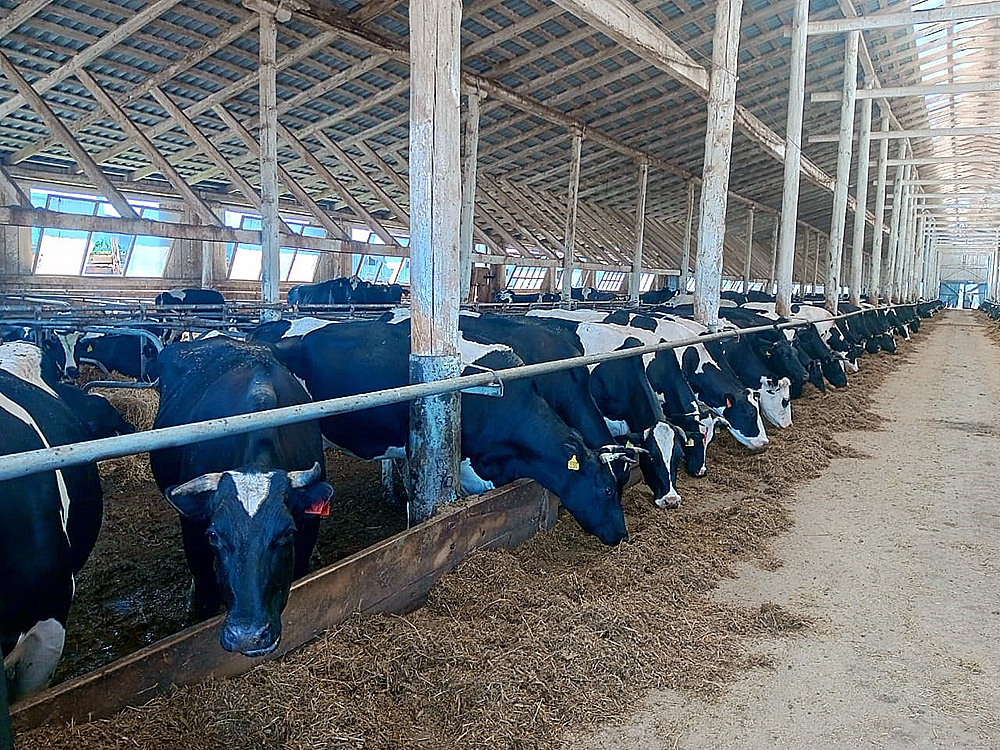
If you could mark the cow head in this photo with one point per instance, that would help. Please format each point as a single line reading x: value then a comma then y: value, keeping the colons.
x: 61, y: 346
x: 833, y: 371
x: 664, y: 444
x: 742, y: 413
x: 781, y: 358
x: 250, y: 522
x: 590, y: 493
x: 775, y: 401
x: 887, y: 343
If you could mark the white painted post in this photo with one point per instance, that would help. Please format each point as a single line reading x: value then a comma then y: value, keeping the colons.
x: 469, y: 192
x: 838, y: 221
x: 818, y: 247
x: 793, y: 158
x: 640, y: 229
x: 718, y: 149
x: 270, y: 270
x: 920, y: 261
x: 749, y: 251
x: 875, y: 279
x: 903, y: 240
x: 772, y: 287
x: 435, y: 218
x: 897, y: 199
x: 860, y: 220
x: 682, y: 282
x: 569, y: 241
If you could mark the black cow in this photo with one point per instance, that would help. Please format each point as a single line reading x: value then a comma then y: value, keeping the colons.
x: 813, y: 350
x: 50, y: 523
x: 589, y: 294
x: 345, y: 291
x: 130, y: 355
x: 657, y: 297
x: 248, y: 503
x: 190, y: 298
x: 516, y: 435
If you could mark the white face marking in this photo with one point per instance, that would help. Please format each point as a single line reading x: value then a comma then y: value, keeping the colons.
x: 24, y: 361
x: 618, y: 427
x: 472, y: 483
x: 251, y: 489
x: 68, y: 342
x: 32, y: 661
x: 178, y: 293
x: 671, y: 500
x: 472, y: 352
x: 15, y: 409
x: 664, y: 436
x: 302, y: 326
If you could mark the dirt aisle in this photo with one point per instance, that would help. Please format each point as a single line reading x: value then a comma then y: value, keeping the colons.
x: 897, y: 557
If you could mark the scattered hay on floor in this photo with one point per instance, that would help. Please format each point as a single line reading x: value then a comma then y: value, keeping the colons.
x: 515, y: 648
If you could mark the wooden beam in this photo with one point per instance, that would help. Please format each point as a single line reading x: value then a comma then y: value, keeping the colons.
x: 838, y: 219
x: 893, y: 247
x: 685, y: 263
x: 959, y: 131
x: 398, y: 211
x: 748, y: 257
x: 270, y: 273
x: 119, y: 115
x: 569, y: 236
x: 66, y: 138
x: 793, y: 156
x: 905, y: 18
x: 21, y: 13
x: 468, y: 193
x: 640, y: 226
x: 434, y: 449
x: 875, y: 269
x: 718, y: 150
x: 10, y: 188
x: 139, y: 21
x: 895, y: 92
x: 858, y: 240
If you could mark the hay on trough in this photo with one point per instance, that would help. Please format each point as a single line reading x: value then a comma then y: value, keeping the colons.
x: 515, y: 649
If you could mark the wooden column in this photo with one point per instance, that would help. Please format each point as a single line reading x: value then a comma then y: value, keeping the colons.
x: 920, y: 259
x: 861, y: 206
x: 682, y: 282
x: 897, y: 199
x: 270, y: 272
x: 748, y: 257
x: 902, y: 238
x: 793, y: 157
x: 469, y: 191
x: 435, y: 217
x: 835, y: 249
x: 817, y: 249
x: 569, y: 235
x: 718, y: 150
x: 640, y: 228
x: 878, y: 231
x: 772, y: 287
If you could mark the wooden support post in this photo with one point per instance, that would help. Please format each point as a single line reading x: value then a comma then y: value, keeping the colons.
x: 569, y: 241
x: 902, y: 237
x: 772, y: 287
x: 919, y: 259
x: 878, y: 233
x: 838, y: 220
x: 640, y: 228
x: 682, y: 282
x: 793, y: 158
x: 270, y: 273
x: 911, y: 249
x: 748, y: 258
x: 817, y: 248
x: 435, y: 218
x: 466, y: 240
x: 56, y: 126
x: 718, y: 150
x: 860, y: 223
x: 897, y: 199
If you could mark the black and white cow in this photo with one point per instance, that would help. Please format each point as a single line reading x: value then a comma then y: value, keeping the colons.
x: 50, y: 523
x: 503, y: 439
x: 344, y: 291
x: 249, y: 503
x: 813, y: 350
x: 190, y: 298
x: 509, y: 297
x: 130, y: 355
x: 715, y: 386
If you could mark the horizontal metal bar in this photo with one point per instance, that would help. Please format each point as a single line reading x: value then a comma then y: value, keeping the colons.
x: 893, y: 92
x: 905, y: 18
x: 59, y: 457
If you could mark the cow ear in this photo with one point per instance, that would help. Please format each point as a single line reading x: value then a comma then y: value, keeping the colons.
x: 194, y: 499
x: 313, y: 500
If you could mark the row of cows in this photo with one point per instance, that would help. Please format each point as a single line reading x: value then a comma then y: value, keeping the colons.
x: 249, y: 505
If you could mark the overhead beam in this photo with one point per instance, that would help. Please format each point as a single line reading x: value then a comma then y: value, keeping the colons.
x: 21, y: 13
x: 956, y: 132
x: 905, y: 18
x: 79, y: 153
x: 956, y: 159
x: 895, y: 92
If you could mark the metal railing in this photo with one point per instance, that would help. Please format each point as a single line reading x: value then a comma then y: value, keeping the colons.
x: 74, y: 454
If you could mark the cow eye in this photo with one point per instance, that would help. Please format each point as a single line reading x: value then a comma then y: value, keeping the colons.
x: 608, y: 491
x: 213, y: 537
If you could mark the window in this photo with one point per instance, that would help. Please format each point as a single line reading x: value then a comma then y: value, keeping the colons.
x: 646, y: 282
x: 577, y: 277
x: 525, y: 278
x: 294, y: 264
x: 610, y: 281
x: 73, y: 252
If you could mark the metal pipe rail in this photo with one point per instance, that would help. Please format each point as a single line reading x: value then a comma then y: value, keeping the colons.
x: 74, y: 454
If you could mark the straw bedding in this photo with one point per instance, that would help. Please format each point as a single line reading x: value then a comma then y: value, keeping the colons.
x: 516, y: 648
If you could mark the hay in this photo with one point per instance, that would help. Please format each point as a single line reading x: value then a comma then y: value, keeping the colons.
x: 138, y: 407
x: 514, y: 649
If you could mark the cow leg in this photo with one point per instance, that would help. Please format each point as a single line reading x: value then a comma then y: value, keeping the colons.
x: 30, y: 664
x: 396, y: 480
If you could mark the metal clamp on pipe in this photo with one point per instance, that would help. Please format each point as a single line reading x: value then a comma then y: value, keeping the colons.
x: 494, y: 389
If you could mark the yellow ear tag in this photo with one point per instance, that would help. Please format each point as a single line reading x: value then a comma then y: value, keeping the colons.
x: 573, y: 464
x: 689, y: 442
x: 628, y: 444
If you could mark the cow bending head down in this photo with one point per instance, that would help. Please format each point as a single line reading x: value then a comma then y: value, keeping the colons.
x: 250, y: 523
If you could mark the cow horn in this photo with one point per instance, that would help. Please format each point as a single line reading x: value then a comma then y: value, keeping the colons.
x: 204, y: 483
x: 304, y: 478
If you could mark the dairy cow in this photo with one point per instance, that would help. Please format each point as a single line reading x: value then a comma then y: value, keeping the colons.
x: 249, y: 503
x: 345, y: 291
